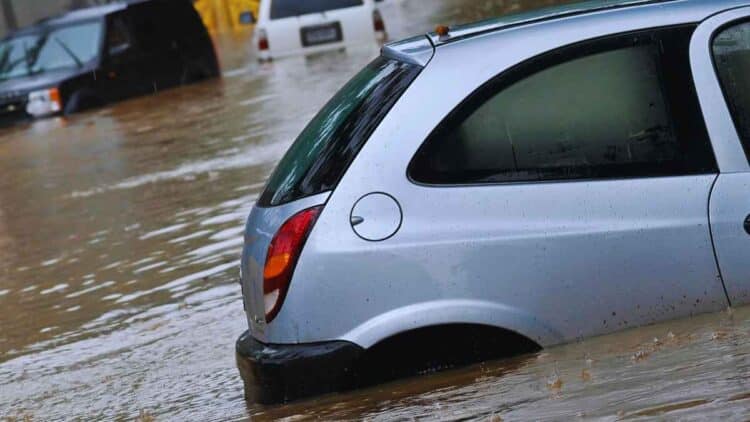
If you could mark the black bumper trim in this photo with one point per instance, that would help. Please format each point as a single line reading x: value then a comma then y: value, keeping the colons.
x: 282, y: 373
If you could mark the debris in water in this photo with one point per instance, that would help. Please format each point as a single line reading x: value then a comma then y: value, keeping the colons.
x: 585, y: 375
x: 21, y: 418
x: 495, y: 418
x: 719, y: 335
x: 555, y: 382
x: 641, y: 355
x: 145, y: 416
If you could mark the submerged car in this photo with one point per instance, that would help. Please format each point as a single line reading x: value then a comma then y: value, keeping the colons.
x: 94, y: 56
x: 502, y: 187
x: 293, y: 27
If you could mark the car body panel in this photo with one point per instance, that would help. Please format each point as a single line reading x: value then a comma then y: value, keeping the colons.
x: 262, y: 225
x: 726, y: 143
x: 578, y: 258
x: 730, y: 200
x: 285, y: 38
x: 729, y: 209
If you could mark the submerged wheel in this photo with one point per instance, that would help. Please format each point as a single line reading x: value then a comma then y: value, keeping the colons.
x: 81, y: 101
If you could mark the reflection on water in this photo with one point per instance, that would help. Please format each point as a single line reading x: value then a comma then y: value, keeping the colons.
x: 120, y: 232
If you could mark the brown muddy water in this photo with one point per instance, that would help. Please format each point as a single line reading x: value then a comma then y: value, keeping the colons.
x: 120, y: 233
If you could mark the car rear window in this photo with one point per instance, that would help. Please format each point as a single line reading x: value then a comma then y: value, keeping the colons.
x: 281, y: 9
x: 325, y: 148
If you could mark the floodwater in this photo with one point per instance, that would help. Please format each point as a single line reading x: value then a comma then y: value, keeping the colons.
x: 120, y: 233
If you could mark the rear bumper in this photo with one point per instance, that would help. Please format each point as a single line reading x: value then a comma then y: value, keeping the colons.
x: 282, y: 373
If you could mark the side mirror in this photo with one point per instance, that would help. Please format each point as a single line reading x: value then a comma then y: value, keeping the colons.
x: 247, y: 18
x: 119, y: 50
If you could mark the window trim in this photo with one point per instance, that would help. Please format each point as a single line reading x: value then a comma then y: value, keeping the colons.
x: 545, y: 60
x: 744, y: 144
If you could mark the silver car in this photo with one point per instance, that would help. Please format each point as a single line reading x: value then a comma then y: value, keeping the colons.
x: 505, y: 186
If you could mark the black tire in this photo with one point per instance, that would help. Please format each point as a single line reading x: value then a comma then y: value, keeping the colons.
x: 81, y: 101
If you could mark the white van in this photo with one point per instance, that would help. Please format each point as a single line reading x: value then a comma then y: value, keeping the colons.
x: 292, y: 27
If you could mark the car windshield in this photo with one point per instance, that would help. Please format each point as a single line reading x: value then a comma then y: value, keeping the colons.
x: 323, y: 151
x: 70, y: 46
x: 57, y: 48
x: 288, y: 8
x: 16, y: 55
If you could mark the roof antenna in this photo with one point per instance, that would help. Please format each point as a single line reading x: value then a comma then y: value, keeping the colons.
x: 443, y: 32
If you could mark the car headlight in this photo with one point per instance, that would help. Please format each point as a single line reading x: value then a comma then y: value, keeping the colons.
x: 44, y: 102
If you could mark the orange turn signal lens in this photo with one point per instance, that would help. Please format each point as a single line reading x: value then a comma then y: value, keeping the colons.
x: 54, y: 95
x: 276, y: 265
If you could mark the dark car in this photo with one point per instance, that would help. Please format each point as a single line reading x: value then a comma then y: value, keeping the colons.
x: 90, y: 57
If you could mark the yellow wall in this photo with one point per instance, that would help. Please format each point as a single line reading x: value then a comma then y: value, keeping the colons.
x: 224, y: 15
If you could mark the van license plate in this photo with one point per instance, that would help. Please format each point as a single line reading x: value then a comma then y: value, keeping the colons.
x: 321, y: 34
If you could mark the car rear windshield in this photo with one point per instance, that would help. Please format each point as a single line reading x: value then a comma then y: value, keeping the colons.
x: 327, y: 146
x: 281, y: 9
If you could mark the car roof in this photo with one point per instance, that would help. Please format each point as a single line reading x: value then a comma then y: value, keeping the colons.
x: 74, y: 16
x: 571, y: 9
x: 414, y: 49
x: 85, y: 14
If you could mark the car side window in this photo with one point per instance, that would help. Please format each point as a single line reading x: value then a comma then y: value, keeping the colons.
x: 621, y: 107
x: 150, y: 29
x: 731, y: 50
x: 119, y: 39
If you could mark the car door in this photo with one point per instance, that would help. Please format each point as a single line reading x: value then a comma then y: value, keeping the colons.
x: 720, y: 54
x: 123, y: 73
x: 574, y: 188
x: 155, y: 26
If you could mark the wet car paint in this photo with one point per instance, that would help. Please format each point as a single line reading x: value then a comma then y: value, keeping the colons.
x: 120, y: 236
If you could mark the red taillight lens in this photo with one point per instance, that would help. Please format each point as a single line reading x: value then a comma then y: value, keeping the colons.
x: 282, y: 257
x: 263, y: 40
x: 378, y: 22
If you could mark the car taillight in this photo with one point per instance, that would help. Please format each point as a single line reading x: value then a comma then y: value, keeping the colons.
x: 263, y: 40
x: 377, y: 20
x: 282, y: 257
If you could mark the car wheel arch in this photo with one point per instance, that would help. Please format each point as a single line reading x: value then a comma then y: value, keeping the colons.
x: 81, y: 100
x: 442, y: 313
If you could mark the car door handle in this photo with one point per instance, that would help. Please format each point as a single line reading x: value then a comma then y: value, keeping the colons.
x: 747, y: 224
